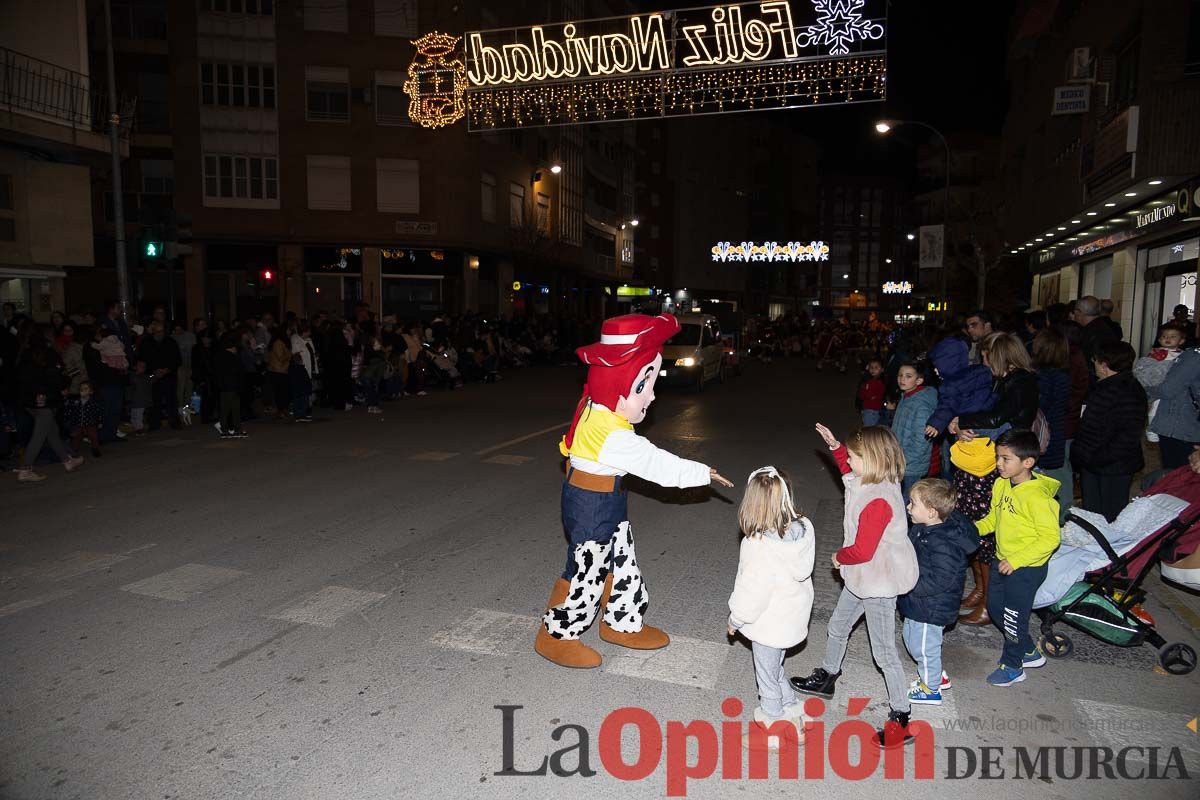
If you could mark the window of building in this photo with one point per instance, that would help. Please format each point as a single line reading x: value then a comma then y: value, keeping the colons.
x: 237, y: 85
x: 263, y: 8
x: 654, y: 199
x: 328, y: 94
x: 240, y: 177
x: 516, y: 205
x: 158, y: 176
x: 487, y: 196
x: 1125, y: 73
x: 396, y: 18
x: 6, y: 193
x: 391, y: 101
x: 8, y: 222
x: 653, y: 231
x: 325, y: 15
x: 398, y: 185
x: 329, y: 183
x: 8, y: 229
x: 543, y: 213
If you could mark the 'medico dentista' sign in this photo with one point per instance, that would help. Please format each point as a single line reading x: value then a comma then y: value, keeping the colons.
x: 734, y: 57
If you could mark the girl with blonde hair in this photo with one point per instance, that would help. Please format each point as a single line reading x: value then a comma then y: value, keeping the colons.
x: 878, y: 564
x: 773, y: 594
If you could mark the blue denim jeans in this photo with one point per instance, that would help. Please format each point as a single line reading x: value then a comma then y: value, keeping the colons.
x: 924, y: 643
x: 870, y: 416
x: 590, y: 517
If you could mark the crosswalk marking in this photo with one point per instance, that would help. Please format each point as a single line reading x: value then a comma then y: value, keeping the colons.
x: 432, y: 455
x: 183, y: 583
x: 81, y: 562
x: 1120, y: 726
x: 32, y: 602
x: 513, y: 461
x: 686, y: 662
x: 488, y: 632
x: 326, y: 606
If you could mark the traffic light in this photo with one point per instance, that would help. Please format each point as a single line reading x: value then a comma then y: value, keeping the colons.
x: 152, y: 249
x: 268, y: 276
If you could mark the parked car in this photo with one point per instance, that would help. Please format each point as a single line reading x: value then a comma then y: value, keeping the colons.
x: 695, y: 355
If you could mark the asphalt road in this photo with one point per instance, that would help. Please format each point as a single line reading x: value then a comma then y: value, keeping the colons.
x: 335, y: 611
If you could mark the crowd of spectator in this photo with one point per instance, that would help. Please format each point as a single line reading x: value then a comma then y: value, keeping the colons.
x: 101, y: 379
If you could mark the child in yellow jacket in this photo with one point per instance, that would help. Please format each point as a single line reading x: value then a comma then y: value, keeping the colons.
x: 1024, y: 518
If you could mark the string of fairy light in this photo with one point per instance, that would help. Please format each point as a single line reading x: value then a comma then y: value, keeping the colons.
x: 779, y: 85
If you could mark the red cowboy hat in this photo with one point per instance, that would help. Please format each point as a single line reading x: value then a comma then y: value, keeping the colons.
x: 623, y: 338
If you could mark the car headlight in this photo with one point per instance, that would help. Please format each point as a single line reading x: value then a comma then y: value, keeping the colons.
x: 685, y: 362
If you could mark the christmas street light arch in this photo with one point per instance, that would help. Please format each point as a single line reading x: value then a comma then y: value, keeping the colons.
x: 743, y: 56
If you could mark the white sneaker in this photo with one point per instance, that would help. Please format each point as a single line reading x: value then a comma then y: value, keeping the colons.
x: 217, y: 427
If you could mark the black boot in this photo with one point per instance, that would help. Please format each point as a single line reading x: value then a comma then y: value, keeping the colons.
x: 894, y: 732
x: 819, y: 683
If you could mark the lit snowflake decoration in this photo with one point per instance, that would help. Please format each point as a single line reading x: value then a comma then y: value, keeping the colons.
x: 839, y: 23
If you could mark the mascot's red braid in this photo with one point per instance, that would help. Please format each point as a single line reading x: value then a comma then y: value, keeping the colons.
x: 602, y: 568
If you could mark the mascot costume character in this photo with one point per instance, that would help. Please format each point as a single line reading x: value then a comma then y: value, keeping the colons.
x: 602, y: 569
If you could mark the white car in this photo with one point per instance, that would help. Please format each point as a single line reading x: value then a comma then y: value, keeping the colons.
x: 695, y: 355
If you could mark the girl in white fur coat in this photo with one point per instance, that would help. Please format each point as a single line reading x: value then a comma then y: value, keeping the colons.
x: 773, y: 594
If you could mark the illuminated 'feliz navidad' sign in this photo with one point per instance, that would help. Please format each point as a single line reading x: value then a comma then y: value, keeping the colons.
x: 733, y: 57
x: 770, y: 251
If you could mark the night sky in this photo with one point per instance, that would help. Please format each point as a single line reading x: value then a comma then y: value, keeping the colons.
x: 946, y: 67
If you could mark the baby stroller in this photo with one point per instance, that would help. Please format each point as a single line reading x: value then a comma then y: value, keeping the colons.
x: 1106, y: 603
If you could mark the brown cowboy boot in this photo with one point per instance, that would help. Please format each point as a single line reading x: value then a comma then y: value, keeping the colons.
x: 648, y: 638
x: 979, y: 614
x: 564, y: 652
x: 975, y: 596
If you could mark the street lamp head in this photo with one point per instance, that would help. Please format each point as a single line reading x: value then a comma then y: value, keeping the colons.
x: 911, y: 236
x: 633, y: 222
x: 556, y: 168
x: 883, y: 126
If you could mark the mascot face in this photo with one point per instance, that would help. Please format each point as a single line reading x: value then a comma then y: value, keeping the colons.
x: 637, y: 399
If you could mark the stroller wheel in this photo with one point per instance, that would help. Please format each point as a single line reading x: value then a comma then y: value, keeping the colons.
x: 1057, y: 645
x: 1177, y: 658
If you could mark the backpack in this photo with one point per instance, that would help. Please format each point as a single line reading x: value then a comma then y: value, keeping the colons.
x: 1041, y: 429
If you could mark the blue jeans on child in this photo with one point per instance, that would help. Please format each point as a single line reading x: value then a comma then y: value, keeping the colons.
x: 1009, y: 603
x: 774, y: 691
x: 870, y: 416
x: 924, y: 643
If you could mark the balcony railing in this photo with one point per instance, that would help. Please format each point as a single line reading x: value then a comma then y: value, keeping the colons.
x: 39, y: 88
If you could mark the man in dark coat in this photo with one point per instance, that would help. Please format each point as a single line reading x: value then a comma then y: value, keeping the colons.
x: 1107, y: 449
x: 161, y: 354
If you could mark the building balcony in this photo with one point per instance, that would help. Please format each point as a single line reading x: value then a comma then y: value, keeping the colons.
x: 55, y: 109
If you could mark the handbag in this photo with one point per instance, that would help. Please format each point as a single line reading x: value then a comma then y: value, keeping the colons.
x: 1041, y: 429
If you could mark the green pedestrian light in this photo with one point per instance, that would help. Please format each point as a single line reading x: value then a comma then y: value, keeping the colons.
x: 153, y: 249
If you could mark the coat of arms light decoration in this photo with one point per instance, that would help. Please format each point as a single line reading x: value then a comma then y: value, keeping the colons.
x: 770, y: 251
x: 436, y: 82
x: 745, y: 56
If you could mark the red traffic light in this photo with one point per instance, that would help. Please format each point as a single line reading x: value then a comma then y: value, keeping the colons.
x: 268, y: 275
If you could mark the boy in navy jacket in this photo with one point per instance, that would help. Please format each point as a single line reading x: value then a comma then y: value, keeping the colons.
x: 943, y: 539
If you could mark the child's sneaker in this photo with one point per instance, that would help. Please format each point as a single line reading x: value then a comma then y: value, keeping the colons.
x: 894, y: 732
x: 1033, y: 659
x: 820, y: 683
x: 217, y: 427
x: 943, y: 687
x: 1006, y: 676
x: 922, y: 695
x: 758, y: 733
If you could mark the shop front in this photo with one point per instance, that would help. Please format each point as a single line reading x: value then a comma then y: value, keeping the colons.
x: 417, y: 283
x: 333, y: 280
x: 32, y: 292
x: 1138, y: 251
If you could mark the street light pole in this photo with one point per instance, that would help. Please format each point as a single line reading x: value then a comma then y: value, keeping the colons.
x: 114, y: 135
x: 885, y: 127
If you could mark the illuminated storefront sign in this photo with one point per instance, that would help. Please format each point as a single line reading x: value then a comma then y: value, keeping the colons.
x: 892, y: 287
x: 734, y: 57
x: 770, y: 251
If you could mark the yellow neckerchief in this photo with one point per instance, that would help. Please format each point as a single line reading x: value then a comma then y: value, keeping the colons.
x: 596, y: 423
